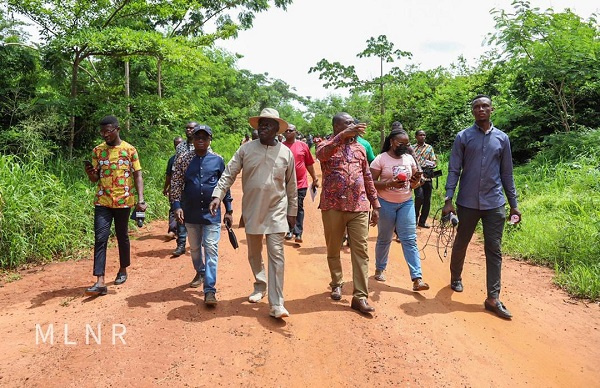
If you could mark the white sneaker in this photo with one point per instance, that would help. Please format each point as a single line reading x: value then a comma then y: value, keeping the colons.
x: 256, y: 296
x: 279, y: 312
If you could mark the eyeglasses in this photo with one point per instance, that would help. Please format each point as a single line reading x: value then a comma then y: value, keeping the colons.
x: 107, y: 131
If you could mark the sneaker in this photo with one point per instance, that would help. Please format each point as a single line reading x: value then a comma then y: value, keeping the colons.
x: 278, y: 312
x: 180, y: 250
x: 197, y: 281
x: 298, y: 238
x: 256, y: 296
x: 420, y: 285
x: 210, y: 299
x: 289, y: 236
x: 380, y: 275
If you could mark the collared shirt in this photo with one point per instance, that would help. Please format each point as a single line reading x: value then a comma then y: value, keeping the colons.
x: 483, y: 162
x: 116, y: 165
x: 347, y: 181
x: 194, y: 179
x: 302, y: 158
x: 268, y: 184
x: 424, y: 153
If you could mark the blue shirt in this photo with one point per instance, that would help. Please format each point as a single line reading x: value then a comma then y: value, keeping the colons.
x: 483, y: 163
x: 170, y: 165
x: 193, y: 183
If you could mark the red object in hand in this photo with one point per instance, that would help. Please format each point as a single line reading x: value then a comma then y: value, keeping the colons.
x: 402, y: 177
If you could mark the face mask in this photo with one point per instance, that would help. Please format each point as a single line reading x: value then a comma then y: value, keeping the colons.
x: 401, y: 150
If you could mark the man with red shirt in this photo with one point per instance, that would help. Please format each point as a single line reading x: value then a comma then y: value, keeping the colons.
x: 347, y: 196
x: 304, y: 162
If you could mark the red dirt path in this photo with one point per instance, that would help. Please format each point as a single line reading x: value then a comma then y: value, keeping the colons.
x: 432, y: 338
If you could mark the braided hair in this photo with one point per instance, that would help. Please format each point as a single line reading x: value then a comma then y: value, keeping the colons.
x: 387, y: 143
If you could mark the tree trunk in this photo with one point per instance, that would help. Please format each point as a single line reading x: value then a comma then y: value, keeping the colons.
x: 74, y: 75
x: 159, y: 77
x: 382, y: 135
x: 128, y: 109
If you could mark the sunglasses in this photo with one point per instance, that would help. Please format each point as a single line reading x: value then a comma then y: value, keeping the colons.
x: 290, y: 130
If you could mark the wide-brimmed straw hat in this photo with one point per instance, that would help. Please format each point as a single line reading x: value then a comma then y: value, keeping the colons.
x: 269, y: 113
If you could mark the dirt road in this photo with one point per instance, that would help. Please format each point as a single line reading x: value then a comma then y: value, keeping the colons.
x: 169, y: 338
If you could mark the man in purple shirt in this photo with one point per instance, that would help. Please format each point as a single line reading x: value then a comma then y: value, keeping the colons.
x: 481, y: 158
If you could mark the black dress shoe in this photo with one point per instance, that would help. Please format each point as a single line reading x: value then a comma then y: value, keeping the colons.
x: 361, y: 305
x: 96, y: 290
x: 180, y: 250
x: 121, y: 278
x: 499, y: 309
x: 456, y: 285
x: 336, y: 293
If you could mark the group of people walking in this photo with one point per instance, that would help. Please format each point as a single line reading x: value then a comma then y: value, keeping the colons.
x: 356, y: 193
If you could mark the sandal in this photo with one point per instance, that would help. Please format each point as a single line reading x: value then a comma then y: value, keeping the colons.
x: 420, y: 285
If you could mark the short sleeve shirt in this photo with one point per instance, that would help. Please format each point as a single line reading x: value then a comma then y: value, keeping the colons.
x: 390, y: 167
x: 116, y: 165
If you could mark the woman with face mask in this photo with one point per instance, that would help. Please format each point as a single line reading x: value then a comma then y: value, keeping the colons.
x: 396, y: 174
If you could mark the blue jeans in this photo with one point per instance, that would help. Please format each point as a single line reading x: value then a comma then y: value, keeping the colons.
x: 207, y: 237
x: 181, y: 234
x: 400, y: 216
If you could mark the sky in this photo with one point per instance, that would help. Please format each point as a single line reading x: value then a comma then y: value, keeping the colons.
x: 285, y: 44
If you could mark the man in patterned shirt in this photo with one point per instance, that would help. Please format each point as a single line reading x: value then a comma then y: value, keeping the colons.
x: 348, y: 192
x: 115, y: 166
x: 426, y: 159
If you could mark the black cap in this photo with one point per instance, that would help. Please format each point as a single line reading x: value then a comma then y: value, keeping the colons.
x: 202, y: 127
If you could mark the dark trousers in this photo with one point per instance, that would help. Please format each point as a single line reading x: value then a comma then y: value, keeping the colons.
x: 492, y: 221
x: 172, y: 221
x: 299, y: 228
x: 423, y: 201
x: 103, y: 217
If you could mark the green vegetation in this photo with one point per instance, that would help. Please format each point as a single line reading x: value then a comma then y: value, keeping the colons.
x: 156, y: 68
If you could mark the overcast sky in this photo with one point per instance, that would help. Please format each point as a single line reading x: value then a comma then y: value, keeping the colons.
x: 285, y: 44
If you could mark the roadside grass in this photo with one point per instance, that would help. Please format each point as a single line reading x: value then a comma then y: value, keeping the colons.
x: 46, y: 208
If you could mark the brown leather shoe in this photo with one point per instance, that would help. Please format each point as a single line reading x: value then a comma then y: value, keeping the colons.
x: 336, y: 292
x: 361, y: 305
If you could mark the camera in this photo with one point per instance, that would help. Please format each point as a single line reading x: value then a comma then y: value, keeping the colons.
x: 138, y: 217
x: 430, y: 173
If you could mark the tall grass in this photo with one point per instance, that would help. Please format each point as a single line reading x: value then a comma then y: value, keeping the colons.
x: 559, y: 197
x: 46, y: 207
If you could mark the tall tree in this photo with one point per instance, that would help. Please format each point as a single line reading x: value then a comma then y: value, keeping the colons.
x: 340, y: 76
x: 556, y: 56
x: 80, y: 29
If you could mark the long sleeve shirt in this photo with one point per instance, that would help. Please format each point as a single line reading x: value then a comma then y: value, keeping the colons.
x: 347, y: 181
x: 268, y: 183
x: 482, y: 162
x: 193, y: 181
